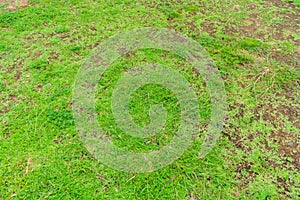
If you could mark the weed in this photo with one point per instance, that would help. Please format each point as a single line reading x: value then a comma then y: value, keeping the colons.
x: 61, y: 118
x: 39, y: 64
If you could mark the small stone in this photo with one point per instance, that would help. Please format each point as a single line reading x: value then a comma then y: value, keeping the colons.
x: 290, y: 144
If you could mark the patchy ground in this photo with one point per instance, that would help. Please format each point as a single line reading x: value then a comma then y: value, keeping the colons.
x: 255, y: 45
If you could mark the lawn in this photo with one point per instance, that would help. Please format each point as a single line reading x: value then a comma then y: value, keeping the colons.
x: 255, y: 46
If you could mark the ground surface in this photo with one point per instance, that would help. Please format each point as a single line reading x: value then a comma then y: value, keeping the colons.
x: 255, y: 45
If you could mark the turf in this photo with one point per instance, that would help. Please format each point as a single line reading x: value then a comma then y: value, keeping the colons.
x: 255, y: 45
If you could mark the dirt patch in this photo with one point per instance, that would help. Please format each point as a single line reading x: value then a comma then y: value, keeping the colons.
x: 255, y: 27
x: 250, y: 28
x: 244, y: 174
x: 53, y: 56
x: 291, y: 112
x: 209, y: 28
x: 233, y: 134
x: 13, y: 5
x: 289, y: 146
x: 280, y: 3
x: 288, y: 142
x: 283, y: 184
x: 273, y: 113
x: 10, y: 98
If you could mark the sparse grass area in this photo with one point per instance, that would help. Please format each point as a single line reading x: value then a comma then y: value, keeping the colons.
x: 255, y: 45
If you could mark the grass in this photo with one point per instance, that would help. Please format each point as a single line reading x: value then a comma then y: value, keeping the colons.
x: 255, y: 45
